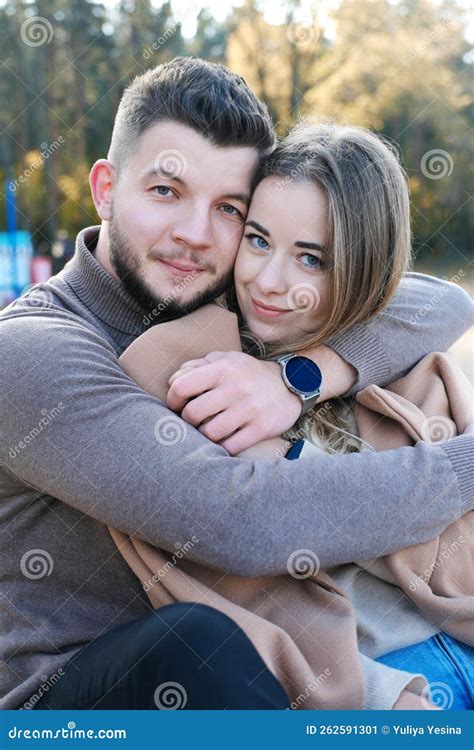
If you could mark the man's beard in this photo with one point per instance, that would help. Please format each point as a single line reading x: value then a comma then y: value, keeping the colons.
x: 159, y: 309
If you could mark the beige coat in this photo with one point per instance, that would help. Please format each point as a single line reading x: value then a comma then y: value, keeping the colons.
x: 305, y: 630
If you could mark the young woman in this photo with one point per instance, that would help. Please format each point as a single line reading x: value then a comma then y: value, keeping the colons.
x: 326, y: 242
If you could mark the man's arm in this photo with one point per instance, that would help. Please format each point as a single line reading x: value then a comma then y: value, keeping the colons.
x: 115, y: 453
x: 425, y: 315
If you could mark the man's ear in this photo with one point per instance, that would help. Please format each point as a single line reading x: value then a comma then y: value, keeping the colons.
x: 102, y: 179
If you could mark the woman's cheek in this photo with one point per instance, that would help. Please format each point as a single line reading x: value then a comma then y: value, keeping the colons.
x: 246, y: 268
x: 317, y: 316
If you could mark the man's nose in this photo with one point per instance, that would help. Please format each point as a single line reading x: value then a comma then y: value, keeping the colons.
x: 194, y: 229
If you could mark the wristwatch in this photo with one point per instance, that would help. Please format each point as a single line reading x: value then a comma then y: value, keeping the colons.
x: 301, y: 376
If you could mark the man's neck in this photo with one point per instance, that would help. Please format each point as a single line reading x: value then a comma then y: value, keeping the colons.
x: 101, y: 252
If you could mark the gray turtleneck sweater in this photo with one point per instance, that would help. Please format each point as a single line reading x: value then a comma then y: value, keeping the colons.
x: 80, y: 449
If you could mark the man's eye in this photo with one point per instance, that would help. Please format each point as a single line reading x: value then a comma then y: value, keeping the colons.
x: 230, y: 210
x: 256, y: 240
x: 311, y: 261
x: 163, y: 190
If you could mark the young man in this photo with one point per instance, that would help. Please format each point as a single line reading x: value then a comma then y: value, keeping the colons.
x: 78, y: 446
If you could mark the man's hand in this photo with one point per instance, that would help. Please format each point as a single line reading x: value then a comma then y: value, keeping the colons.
x: 237, y: 400
x: 273, y: 448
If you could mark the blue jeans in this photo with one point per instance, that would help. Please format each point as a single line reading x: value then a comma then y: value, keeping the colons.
x: 448, y: 666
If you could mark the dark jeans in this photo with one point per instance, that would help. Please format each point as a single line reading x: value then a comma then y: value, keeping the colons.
x: 180, y: 656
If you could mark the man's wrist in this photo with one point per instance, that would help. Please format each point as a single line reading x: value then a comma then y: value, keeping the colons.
x: 302, y: 377
x: 338, y: 375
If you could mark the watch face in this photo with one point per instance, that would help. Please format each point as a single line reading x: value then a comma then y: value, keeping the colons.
x: 303, y: 374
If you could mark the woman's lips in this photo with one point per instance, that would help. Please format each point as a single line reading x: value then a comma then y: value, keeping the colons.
x: 264, y: 311
x: 181, y: 270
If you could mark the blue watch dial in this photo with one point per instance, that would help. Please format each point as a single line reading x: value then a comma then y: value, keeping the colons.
x: 303, y: 374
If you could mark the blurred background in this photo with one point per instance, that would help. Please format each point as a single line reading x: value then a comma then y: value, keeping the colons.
x: 403, y: 68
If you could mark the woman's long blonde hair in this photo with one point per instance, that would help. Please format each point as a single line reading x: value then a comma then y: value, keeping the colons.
x: 369, y: 238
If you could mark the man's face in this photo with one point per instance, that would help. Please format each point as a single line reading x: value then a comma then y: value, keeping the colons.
x: 178, y: 208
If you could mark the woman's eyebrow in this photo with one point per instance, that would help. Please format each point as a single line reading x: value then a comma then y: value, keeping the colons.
x: 312, y: 246
x: 258, y: 227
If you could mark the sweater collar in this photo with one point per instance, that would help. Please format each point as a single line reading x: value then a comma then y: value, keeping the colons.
x: 103, y: 295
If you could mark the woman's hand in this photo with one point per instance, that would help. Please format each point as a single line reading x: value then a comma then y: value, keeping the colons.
x: 408, y: 701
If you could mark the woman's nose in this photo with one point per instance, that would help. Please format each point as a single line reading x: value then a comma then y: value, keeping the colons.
x: 272, y: 278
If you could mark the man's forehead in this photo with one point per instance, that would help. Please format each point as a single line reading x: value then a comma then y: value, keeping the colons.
x: 175, y: 151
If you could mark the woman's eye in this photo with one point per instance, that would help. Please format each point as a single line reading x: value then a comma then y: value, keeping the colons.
x: 163, y: 190
x: 257, y: 241
x: 311, y: 261
x: 230, y: 210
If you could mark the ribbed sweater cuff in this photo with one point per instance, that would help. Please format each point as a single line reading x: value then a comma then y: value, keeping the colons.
x: 460, y: 451
x: 383, y: 684
x: 361, y: 348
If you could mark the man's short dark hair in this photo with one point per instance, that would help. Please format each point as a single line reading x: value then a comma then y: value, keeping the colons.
x: 206, y: 97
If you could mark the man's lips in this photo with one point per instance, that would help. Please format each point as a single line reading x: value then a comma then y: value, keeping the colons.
x: 180, y: 268
x: 267, y: 311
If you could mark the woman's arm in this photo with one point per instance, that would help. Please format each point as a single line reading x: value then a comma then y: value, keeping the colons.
x: 387, y: 688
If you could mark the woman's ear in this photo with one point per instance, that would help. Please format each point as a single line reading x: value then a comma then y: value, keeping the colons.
x: 102, y: 180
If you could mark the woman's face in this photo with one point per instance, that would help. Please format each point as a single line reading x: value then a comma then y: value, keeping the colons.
x: 283, y: 268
